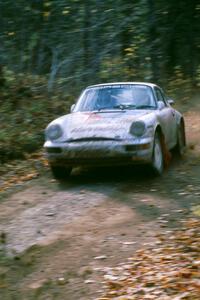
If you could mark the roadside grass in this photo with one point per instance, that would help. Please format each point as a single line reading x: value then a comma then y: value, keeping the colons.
x: 12, y: 270
x: 25, y: 111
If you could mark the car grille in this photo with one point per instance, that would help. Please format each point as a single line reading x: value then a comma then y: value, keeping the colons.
x: 92, y: 139
x: 95, y: 161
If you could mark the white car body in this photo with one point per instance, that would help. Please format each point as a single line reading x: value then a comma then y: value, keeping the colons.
x: 121, y: 134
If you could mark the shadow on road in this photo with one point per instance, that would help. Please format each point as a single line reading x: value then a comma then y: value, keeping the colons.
x: 137, y: 188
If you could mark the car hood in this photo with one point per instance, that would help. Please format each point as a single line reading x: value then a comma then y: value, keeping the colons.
x: 98, y: 125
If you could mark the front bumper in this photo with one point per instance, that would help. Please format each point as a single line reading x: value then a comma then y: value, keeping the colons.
x: 103, y: 153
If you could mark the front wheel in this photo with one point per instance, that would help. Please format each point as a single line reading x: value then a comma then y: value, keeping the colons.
x: 60, y: 172
x: 157, y: 156
x: 181, y: 140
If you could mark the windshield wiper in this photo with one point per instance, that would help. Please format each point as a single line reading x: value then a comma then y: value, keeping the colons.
x: 105, y: 108
x: 124, y: 106
x: 144, y: 106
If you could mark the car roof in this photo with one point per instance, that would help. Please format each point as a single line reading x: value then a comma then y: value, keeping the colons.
x: 152, y: 85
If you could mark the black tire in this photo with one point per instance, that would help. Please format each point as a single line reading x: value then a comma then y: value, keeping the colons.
x: 157, y: 164
x: 181, y: 141
x: 60, y: 172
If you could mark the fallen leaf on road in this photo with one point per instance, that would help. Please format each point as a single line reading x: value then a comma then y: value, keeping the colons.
x: 169, y: 269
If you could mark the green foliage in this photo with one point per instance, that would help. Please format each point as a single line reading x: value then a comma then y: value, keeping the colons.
x: 25, y: 110
x: 180, y: 86
x: 75, y: 40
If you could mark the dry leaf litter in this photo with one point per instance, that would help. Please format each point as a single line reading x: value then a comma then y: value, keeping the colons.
x: 167, y: 270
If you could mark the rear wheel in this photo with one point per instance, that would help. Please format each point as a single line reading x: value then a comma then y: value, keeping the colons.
x: 60, y: 172
x: 157, y: 156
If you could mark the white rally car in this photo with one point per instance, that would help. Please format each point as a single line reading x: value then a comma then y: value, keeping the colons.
x: 115, y: 124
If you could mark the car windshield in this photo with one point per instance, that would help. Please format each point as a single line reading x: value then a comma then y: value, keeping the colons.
x: 115, y: 97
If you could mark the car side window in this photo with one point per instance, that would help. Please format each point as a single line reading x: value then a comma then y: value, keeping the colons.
x: 160, y: 97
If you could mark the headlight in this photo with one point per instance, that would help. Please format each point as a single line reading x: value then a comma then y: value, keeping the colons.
x: 138, y: 128
x: 53, y: 132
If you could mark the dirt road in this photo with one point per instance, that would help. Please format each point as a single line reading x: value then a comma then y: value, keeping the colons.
x: 60, y: 236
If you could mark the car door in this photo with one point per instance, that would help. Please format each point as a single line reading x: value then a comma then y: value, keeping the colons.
x: 167, y: 118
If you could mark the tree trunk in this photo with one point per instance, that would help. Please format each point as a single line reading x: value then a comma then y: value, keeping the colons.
x: 86, y: 41
x: 2, y: 78
x: 153, y: 41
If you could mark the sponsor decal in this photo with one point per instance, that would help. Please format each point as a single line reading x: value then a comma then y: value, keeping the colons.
x: 118, y: 86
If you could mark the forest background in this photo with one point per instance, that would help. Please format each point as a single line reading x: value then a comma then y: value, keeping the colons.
x: 51, y: 49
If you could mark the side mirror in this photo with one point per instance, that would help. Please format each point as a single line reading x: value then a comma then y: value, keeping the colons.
x: 72, y: 108
x: 161, y: 105
x: 170, y: 101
